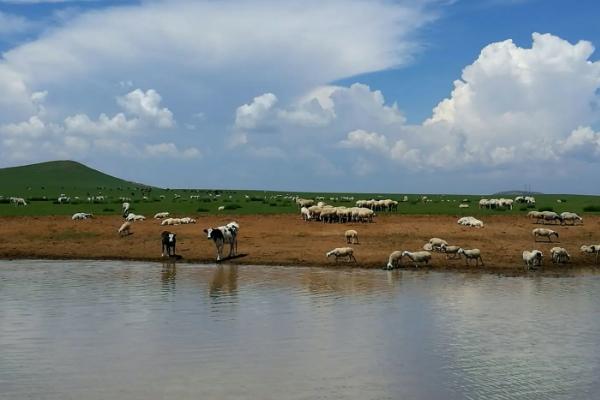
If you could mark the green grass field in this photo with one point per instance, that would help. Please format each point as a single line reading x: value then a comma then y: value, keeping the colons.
x: 41, y: 185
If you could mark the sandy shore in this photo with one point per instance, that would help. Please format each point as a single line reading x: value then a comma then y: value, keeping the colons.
x: 287, y: 240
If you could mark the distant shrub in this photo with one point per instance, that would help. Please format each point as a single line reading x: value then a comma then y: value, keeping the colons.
x: 523, y: 208
x: 232, y: 206
x: 591, y: 208
x: 563, y: 200
x: 202, y: 209
x: 273, y: 204
x: 255, y: 198
x: 37, y: 199
x: 4, y: 201
x: 108, y: 209
x: 546, y: 209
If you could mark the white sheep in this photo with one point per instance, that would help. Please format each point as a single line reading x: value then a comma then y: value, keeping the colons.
x: 560, y: 255
x: 135, y: 217
x: 471, y: 254
x: 342, y: 252
x: 470, y: 221
x: 591, y: 249
x: 418, y: 257
x: 161, y: 215
x: 463, y: 205
x: 351, y: 236
x: 81, y: 215
x: 305, y: 213
x: 450, y: 251
x: 532, y: 258
x: 394, y: 260
x: 436, y: 243
x: 570, y: 216
x: 221, y: 208
x: 171, y: 221
x: 543, y: 232
x: 125, y: 229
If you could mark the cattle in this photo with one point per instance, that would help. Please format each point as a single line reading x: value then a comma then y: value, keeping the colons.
x: 222, y: 235
x: 169, y: 240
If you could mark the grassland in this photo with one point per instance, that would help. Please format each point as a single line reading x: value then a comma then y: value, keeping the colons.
x: 41, y: 184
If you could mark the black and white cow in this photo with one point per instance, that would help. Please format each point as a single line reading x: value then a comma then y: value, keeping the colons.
x: 168, y: 243
x: 222, y: 235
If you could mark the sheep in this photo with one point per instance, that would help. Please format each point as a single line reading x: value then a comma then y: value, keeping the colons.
x: 470, y: 221
x: 18, y: 201
x: 125, y: 229
x: 187, y: 220
x: 463, y: 205
x: 428, y: 247
x: 450, y: 251
x: 532, y: 258
x: 570, y: 216
x: 535, y: 214
x: 226, y: 234
x: 125, y: 209
x: 559, y: 255
x: 591, y: 249
x: 549, y: 216
x: 169, y: 240
x: 543, y: 232
x: 221, y: 208
x: 134, y: 217
x: 351, y: 236
x: 161, y: 215
x: 418, y: 257
x: 472, y: 254
x: 81, y: 215
x: 436, y: 243
x: 394, y: 260
x: 342, y: 252
x: 305, y: 214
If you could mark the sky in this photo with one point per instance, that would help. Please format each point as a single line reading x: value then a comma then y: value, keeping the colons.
x: 421, y: 96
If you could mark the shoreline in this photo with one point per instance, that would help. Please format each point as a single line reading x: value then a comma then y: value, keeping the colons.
x: 286, y: 240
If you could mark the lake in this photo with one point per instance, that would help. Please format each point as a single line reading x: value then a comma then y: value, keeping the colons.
x: 129, y: 330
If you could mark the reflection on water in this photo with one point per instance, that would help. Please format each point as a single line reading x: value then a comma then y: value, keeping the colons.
x: 100, y: 330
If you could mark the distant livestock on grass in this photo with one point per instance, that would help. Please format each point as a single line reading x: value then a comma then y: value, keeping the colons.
x: 161, y: 215
x: 81, y: 215
x: 18, y: 201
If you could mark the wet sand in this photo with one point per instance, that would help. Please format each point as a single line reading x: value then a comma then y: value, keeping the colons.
x: 289, y: 241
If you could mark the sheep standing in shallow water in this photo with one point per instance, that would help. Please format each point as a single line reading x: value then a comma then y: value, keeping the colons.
x: 532, y: 258
x: 472, y: 254
x: 351, y: 236
x: 394, y: 260
x: 543, y: 232
x: 418, y: 257
x: 342, y: 252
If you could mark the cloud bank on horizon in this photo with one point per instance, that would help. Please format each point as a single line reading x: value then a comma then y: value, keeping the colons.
x: 165, y: 91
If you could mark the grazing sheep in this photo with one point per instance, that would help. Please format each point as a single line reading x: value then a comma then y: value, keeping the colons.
x: 542, y: 232
x: 570, y: 216
x: 418, y: 257
x: 351, y: 236
x: 532, y: 258
x: 161, y: 215
x: 226, y: 234
x: 463, y: 205
x: 221, y: 208
x: 560, y: 255
x: 549, y: 216
x: 591, y: 249
x: 18, y: 201
x: 125, y: 229
x: 450, y: 251
x: 472, y: 254
x: 168, y: 243
x: 81, y: 215
x: 305, y: 214
x: 436, y: 243
x: 394, y: 260
x: 342, y: 252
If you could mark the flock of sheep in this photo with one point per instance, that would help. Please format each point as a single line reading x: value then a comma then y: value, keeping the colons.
x: 531, y: 258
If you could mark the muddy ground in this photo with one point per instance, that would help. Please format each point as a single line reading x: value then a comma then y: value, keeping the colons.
x: 287, y: 240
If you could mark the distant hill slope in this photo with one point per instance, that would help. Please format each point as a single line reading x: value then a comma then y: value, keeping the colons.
x: 57, y: 176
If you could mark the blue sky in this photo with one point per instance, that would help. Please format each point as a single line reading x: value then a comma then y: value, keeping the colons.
x: 393, y: 96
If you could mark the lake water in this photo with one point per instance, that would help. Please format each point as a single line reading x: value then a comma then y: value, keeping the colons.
x: 119, y: 330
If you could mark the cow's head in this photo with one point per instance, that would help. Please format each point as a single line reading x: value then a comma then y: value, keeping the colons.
x: 208, y: 232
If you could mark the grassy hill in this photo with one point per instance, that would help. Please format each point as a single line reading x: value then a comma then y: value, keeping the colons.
x: 55, y: 177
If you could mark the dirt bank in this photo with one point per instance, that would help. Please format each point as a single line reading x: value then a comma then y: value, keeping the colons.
x: 287, y: 240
